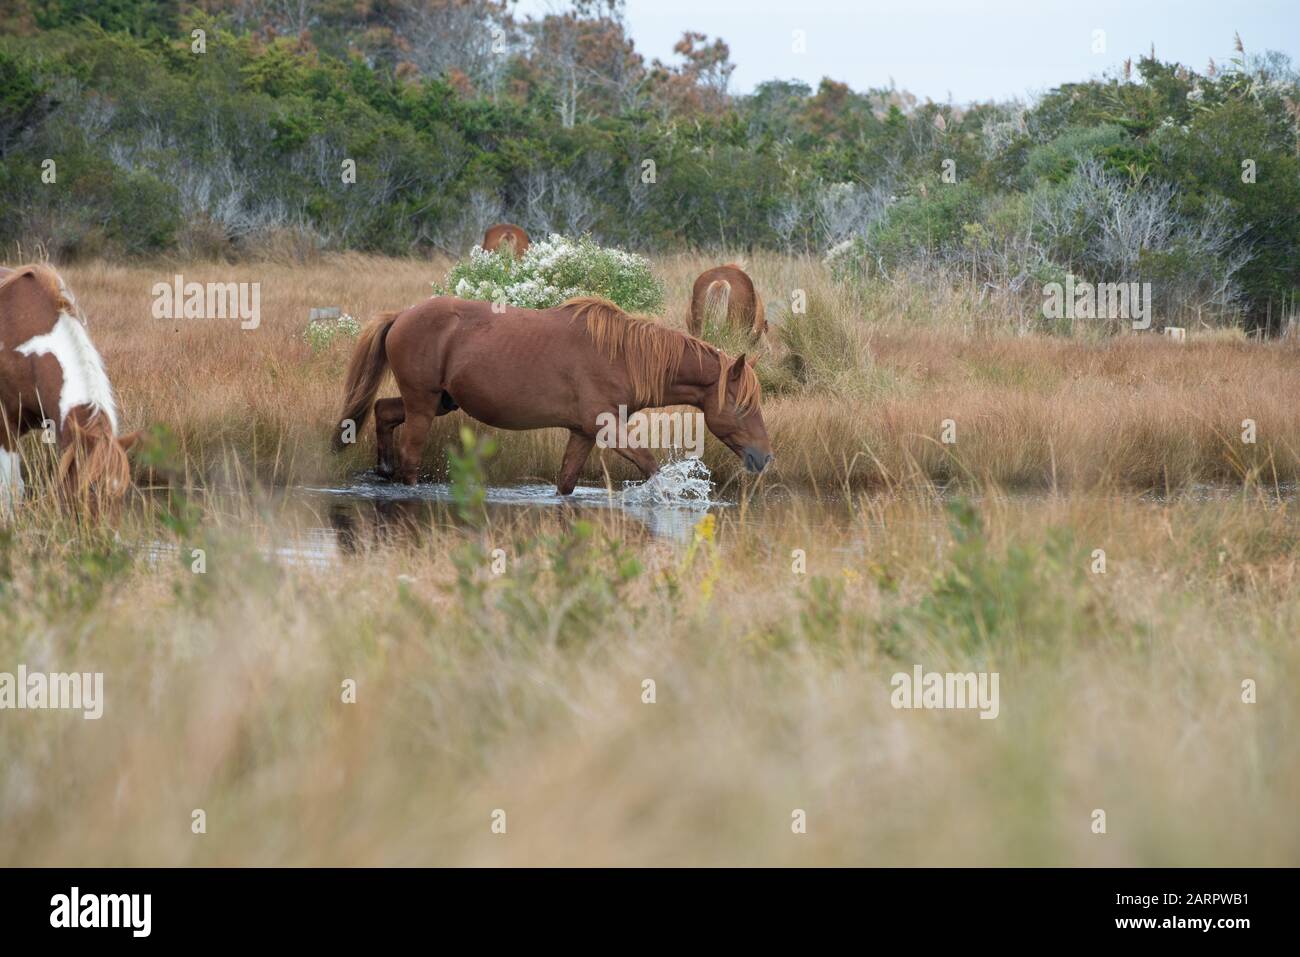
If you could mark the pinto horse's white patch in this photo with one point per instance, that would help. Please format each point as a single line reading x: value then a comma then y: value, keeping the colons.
x: 84, y: 380
x: 11, y: 480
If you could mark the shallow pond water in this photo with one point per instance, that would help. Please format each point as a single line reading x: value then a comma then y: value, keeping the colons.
x: 318, y: 526
x: 669, y: 505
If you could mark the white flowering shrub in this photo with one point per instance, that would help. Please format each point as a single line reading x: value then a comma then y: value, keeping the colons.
x: 321, y: 332
x: 554, y: 270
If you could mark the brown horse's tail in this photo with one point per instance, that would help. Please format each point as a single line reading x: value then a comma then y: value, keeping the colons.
x: 366, y: 371
x: 717, y: 295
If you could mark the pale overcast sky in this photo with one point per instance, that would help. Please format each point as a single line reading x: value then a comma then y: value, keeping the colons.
x: 972, y: 50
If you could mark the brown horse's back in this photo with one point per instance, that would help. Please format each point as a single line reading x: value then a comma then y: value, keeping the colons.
x: 744, y: 306
x: 506, y: 234
x: 519, y: 369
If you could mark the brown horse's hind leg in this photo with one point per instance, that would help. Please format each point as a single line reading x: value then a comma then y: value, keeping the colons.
x: 410, y: 444
x: 575, y: 456
x: 389, y: 414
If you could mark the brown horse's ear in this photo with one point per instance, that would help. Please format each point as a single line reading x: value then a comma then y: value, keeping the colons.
x: 127, y: 441
x: 738, y: 368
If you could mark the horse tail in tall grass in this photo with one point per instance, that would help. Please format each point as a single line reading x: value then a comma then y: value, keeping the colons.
x: 366, y: 372
x: 716, y: 301
x: 727, y: 293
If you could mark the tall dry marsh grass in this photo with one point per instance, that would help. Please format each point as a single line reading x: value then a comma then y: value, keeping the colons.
x: 524, y: 691
x: 859, y: 386
x: 522, y: 688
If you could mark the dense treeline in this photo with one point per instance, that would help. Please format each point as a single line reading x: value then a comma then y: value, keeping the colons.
x: 457, y: 113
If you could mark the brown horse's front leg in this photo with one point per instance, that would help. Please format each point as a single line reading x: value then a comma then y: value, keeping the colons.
x: 389, y: 414
x: 643, y: 459
x: 575, y: 456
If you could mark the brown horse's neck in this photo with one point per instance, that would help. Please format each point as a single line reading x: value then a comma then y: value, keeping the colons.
x: 696, y: 382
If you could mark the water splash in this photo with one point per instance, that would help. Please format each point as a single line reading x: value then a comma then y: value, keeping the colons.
x: 683, y: 482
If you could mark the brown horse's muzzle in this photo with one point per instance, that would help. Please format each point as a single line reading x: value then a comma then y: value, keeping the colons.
x: 755, y: 461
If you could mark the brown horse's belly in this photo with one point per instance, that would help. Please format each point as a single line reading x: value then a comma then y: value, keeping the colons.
x: 507, y: 407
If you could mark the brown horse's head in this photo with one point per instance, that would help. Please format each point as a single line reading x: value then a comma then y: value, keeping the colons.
x: 653, y: 354
x: 94, y: 472
x: 736, y: 418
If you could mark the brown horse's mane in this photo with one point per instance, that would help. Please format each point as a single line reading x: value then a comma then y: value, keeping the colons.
x: 653, y: 353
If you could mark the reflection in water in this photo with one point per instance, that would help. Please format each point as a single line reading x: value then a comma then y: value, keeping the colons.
x: 374, y: 512
x: 366, y: 516
x: 361, y: 523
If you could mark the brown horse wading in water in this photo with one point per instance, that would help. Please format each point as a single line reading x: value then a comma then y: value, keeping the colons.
x: 537, y: 369
x: 731, y: 288
x: 506, y: 234
x: 52, y: 379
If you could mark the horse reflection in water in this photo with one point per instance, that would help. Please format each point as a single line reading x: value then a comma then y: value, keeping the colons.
x: 363, y: 526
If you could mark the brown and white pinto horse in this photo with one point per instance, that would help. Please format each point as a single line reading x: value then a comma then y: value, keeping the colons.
x: 506, y: 234
x: 537, y: 369
x: 52, y: 377
x: 732, y: 288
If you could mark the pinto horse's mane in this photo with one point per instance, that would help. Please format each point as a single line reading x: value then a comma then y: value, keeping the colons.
x: 653, y: 353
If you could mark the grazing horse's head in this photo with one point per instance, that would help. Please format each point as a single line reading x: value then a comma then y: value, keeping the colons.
x: 653, y: 355
x: 94, y: 472
x: 736, y: 418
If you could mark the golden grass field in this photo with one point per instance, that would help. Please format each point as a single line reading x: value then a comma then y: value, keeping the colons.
x: 523, y: 691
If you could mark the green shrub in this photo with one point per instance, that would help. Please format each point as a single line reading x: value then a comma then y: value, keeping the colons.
x: 923, y: 224
x: 23, y: 100
x: 995, y: 605
x: 1055, y: 161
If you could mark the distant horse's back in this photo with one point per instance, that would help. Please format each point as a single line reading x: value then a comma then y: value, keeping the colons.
x: 508, y: 235
x: 731, y: 288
